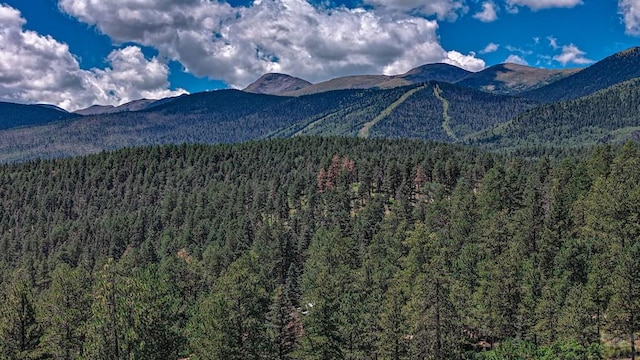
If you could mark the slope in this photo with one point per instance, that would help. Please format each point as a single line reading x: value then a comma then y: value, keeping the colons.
x: 228, y: 116
x: 273, y: 83
x: 511, y: 79
x: 17, y: 115
x: 609, y: 115
x: 429, y: 72
x: 341, y: 83
x: 135, y: 105
x: 422, y: 116
x: 612, y: 70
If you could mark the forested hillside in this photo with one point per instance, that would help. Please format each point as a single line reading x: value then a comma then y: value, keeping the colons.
x: 608, y: 116
x: 612, y: 70
x: 319, y: 248
x: 229, y: 116
x: 17, y: 115
x: 445, y: 112
x: 511, y: 79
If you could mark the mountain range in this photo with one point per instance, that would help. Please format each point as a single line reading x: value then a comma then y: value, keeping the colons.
x: 506, y: 79
x: 506, y: 106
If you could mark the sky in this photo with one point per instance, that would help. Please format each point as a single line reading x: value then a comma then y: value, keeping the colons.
x: 77, y: 53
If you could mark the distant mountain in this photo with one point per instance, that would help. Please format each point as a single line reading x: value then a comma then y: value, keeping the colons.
x: 97, y: 110
x: 433, y: 111
x: 366, y: 106
x: 342, y: 83
x: 509, y: 79
x: 54, y: 107
x: 18, y: 115
x: 135, y: 105
x: 447, y: 112
x: 430, y: 72
x: 612, y: 70
x: 276, y: 84
x: 611, y: 115
x: 435, y: 72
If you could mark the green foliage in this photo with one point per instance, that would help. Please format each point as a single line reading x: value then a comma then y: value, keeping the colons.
x: 20, y: 329
x: 560, y: 350
x: 607, y: 116
x: 229, y: 323
x: 319, y: 248
x: 612, y: 70
x: 229, y: 116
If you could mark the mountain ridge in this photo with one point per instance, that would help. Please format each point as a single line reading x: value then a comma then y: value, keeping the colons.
x: 275, y: 83
x: 509, y: 79
x: 504, y: 79
x: 614, y: 69
x: 437, y: 111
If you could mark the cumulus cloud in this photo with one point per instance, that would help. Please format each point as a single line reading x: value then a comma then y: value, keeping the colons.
x: 630, y: 11
x: 572, y: 55
x: 238, y: 44
x: 37, y: 68
x: 469, y: 61
x: 488, y: 13
x: 490, y: 48
x: 515, y: 59
x: 553, y: 42
x: 443, y: 9
x: 543, y: 4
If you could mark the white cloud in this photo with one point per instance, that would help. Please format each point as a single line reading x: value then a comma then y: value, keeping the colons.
x: 37, y: 68
x: 488, y: 13
x: 238, y: 44
x: 630, y: 11
x: 490, y: 48
x: 543, y: 4
x: 553, y: 42
x: 572, y: 55
x: 469, y: 62
x: 522, y: 51
x: 443, y: 9
x: 515, y: 59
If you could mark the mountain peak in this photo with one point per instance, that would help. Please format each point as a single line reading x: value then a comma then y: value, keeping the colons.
x: 435, y: 72
x: 632, y: 51
x: 275, y: 83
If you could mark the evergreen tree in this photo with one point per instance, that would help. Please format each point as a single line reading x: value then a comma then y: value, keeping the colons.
x: 20, y: 328
x: 66, y: 309
x: 230, y: 322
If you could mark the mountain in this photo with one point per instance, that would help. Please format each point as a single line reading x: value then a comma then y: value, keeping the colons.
x: 54, y: 107
x: 18, y: 115
x: 372, y: 106
x: 511, y: 79
x: 342, y: 83
x: 447, y: 112
x: 435, y: 72
x: 430, y: 72
x: 430, y: 111
x: 135, y: 105
x: 276, y: 84
x: 612, y: 70
x: 97, y: 109
x: 611, y: 115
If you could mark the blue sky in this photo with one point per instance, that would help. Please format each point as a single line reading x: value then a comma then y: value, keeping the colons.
x: 74, y: 53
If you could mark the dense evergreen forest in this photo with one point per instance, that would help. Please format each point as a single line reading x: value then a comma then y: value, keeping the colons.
x: 607, y: 116
x: 320, y: 248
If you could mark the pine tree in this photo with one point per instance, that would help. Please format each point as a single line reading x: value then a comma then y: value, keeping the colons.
x: 66, y: 309
x: 20, y: 328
